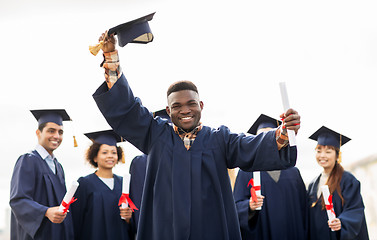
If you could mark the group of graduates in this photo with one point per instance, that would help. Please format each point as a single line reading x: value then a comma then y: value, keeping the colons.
x: 286, y: 210
x: 180, y: 185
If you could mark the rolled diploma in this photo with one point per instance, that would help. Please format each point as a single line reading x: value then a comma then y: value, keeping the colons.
x: 257, y: 182
x: 284, y: 97
x: 326, y: 195
x: 69, y: 194
x: 126, y: 188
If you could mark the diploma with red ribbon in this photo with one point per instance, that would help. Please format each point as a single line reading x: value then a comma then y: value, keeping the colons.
x: 255, y: 189
x: 68, y: 197
x: 328, y: 202
x: 125, y: 197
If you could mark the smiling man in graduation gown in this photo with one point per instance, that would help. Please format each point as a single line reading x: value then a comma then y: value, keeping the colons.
x: 187, y: 192
x: 38, y: 185
x: 283, y: 215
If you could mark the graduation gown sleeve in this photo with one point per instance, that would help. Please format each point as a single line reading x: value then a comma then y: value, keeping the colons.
x: 27, y: 211
x: 128, y: 117
x: 252, y: 153
x: 352, y: 214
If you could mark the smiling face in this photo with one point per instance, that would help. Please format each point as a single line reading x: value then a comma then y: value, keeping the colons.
x: 184, y: 109
x: 50, y: 137
x: 107, y: 157
x: 326, y: 157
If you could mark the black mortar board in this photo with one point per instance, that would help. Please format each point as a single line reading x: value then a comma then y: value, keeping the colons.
x: 162, y: 114
x: 135, y: 31
x: 108, y: 137
x: 263, y: 121
x: 327, y: 137
x: 51, y: 115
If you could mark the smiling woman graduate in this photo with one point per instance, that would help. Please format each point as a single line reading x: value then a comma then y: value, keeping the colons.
x: 97, y: 214
x: 345, y: 190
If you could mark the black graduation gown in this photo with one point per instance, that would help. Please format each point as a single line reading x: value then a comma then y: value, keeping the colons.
x: 96, y: 212
x: 351, y: 214
x: 284, y: 213
x: 35, y: 188
x: 137, y: 170
x: 187, y: 193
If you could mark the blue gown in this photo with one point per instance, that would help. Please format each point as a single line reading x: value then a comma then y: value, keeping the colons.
x: 35, y: 188
x: 137, y: 170
x: 351, y: 214
x: 187, y: 193
x: 96, y: 214
x: 284, y: 212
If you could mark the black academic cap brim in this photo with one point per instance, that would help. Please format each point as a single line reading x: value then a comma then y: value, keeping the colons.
x: 135, y: 31
x: 327, y: 137
x: 263, y: 121
x: 108, y: 137
x: 51, y: 115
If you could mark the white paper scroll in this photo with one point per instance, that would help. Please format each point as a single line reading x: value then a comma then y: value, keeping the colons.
x: 69, y: 195
x: 257, y: 183
x: 284, y: 97
x: 126, y: 188
x: 126, y: 183
x: 326, y: 195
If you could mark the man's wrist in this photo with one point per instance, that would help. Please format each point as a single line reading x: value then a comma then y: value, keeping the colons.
x: 281, y: 137
x: 112, y: 68
x: 111, y: 55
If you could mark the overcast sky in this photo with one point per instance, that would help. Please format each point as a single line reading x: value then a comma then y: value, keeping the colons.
x: 236, y: 52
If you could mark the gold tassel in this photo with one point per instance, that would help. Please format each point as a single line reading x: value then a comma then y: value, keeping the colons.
x: 75, y: 142
x: 340, y: 157
x: 123, y: 158
x: 340, y: 153
x: 95, y: 49
x: 232, y: 177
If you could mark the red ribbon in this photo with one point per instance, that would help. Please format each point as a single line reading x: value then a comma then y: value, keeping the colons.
x: 330, y: 206
x: 125, y: 198
x: 66, y: 205
x: 253, y: 189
